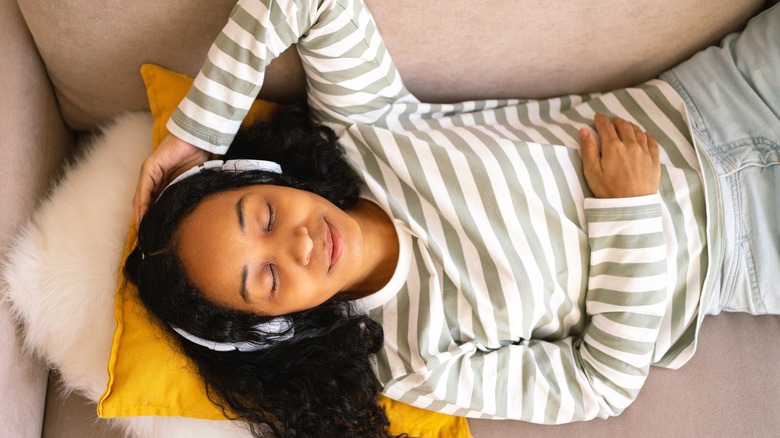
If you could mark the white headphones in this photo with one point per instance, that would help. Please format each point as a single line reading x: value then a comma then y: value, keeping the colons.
x: 228, y: 166
x: 279, y: 328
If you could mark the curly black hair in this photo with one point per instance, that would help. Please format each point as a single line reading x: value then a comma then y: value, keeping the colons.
x: 319, y: 382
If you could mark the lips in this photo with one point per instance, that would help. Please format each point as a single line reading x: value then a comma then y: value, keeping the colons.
x: 333, y: 245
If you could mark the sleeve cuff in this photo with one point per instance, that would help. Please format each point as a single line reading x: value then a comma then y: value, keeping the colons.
x: 176, y: 130
x: 610, y: 217
x: 637, y: 201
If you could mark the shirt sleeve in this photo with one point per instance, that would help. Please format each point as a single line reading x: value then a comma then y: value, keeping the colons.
x: 627, y: 295
x: 351, y: 77
x: 594, y: 375
x: 348, y: 69
x: 233, y: 72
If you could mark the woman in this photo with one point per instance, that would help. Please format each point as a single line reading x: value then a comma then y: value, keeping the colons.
x: 534, y: 278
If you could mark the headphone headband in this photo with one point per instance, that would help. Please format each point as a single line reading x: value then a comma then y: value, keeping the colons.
x: 228, y: 166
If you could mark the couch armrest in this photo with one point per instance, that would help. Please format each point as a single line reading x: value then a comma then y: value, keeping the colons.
x: 33, y: 145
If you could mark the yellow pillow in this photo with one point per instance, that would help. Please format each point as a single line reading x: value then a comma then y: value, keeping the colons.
x: 147, y: 375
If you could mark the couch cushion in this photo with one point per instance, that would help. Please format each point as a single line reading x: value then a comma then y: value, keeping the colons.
x: 69, y: 414
x: 445, y: 50
x: 32, y: 146
x: 729, y: 388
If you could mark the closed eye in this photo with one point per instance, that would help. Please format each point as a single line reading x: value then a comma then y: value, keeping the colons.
x: 274, y: 278
x: 271, y: 216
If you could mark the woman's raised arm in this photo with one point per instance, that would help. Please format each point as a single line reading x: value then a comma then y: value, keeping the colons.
x: 350, y: 74
x: 256, y: 33
x: 232, y: 75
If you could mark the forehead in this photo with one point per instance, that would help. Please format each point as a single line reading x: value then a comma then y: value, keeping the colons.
x: 209, y: 243
x: 221, y: 205
x: 211, y: 206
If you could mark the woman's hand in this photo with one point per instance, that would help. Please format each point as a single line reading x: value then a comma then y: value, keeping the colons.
x: 172, y: 157
x: 628, y: 164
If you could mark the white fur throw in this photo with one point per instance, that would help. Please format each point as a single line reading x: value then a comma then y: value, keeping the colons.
x: 63, y: 266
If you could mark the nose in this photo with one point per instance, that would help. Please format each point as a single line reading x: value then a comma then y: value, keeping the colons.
x: 301, y: 245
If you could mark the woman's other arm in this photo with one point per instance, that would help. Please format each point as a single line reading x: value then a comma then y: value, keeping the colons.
x: 627, y: 164
x: 626, y: 297
x: 601, y: 372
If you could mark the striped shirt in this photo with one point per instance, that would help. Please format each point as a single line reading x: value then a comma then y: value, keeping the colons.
x: 517, y: 293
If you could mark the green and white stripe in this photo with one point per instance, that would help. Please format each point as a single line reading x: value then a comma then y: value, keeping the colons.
x: 523, y: 297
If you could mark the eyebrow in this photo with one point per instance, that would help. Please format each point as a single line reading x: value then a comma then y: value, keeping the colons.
x: 244, y: 275
x: 240, y: 212
x: 242, y: 224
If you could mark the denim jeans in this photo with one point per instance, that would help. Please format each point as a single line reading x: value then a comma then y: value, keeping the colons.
x: 732, y: 93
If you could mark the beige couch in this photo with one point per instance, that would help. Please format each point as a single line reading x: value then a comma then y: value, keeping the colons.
x: 70, y: 65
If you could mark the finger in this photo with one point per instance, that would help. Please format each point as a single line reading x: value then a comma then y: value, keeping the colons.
x: 604, y: 128
x: 140, y: 201
x: 625, y: 130
x: 147, y: 182
x: 589, y: 148
x: 653, y: 149
x: 641, y: 136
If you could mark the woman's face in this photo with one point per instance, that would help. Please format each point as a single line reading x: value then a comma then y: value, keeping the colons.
x: 270, y: 250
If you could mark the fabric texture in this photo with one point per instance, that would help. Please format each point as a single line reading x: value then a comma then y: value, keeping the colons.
x: 719, y: 374
x: 475, y: 185
x: 432, y: 39
x: 742, y: 139
x: 61, y: 263
x: 33, y: 145
x: 65, y: 261
x: 727, y: 373
x: 727, y: 389
x: 70, y: 413
x: 147, y: 376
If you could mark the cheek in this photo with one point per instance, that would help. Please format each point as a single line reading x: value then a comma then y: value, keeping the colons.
x: 306, y: 292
